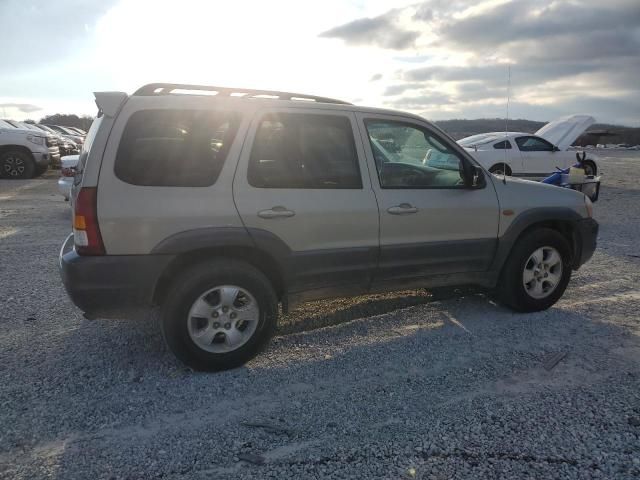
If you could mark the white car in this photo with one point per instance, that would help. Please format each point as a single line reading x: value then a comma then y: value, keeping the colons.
x: 531, y: 155
x: 25, y: 153
x: 68, y: 172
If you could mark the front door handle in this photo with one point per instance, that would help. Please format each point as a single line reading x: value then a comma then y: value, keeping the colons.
x: 276, y: 212
x: 402, y: 209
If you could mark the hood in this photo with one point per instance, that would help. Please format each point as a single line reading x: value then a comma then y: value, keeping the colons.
x: 564, y: 131
x: 23, y: 131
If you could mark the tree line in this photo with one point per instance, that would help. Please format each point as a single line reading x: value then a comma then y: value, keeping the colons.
x: 66, y: 120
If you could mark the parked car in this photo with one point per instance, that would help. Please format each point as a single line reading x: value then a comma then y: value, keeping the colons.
x: 531, y: 155
x: 79, y: 139
x: 54, y: 139
x: 25, y: 153
x: 78, y: 131
x: 67, y: 146
x: 218, y: 208
x: 67, y: 174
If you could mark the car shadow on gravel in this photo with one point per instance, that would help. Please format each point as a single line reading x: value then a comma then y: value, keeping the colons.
x: 137, y: 343
x: 324, y: 313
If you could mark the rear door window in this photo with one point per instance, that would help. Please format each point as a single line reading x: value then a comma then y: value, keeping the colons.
x: 504, y: 145
x: 295, y: 150
x: 175, y: 148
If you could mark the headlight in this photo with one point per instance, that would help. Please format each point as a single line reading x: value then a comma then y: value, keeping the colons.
x: 589, y: 204
x: 35, y: 139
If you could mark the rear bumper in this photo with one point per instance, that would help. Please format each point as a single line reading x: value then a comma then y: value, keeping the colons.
x: 586, y: 233
x: 110, y: 285
x: 64, y: 186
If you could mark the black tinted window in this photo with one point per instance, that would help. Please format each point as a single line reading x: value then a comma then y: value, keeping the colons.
x: 504, y: 145
x: 293, y: 150
x: 533, y: 144
x: 178, y: 148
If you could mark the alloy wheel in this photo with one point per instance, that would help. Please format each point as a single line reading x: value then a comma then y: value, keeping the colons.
x: 542, y: 272
x: 223, y: 319
x: 13, y: 166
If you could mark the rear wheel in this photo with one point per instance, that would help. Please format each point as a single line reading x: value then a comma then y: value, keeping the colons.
x: 17, y: 164
x: 537, y: 271
x: 500, y: 169
x: 219, y: 314
x: 590, y: 168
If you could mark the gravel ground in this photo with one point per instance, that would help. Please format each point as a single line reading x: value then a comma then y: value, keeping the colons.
x: 386, y: 386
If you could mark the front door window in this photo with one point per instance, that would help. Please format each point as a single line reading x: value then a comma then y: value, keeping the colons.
x: 409, y: 157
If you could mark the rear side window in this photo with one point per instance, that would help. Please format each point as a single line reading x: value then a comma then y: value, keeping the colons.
x: 533, y: 144
x: 504, y: 145
x: 175, y: 148
x: 293, y: 150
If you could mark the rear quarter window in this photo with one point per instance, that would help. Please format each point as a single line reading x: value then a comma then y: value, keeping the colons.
x: 175, y: 148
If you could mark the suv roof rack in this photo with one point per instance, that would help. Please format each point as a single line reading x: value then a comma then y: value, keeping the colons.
x: 170, y: 88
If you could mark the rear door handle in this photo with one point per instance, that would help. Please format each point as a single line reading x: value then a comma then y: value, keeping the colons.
x: 276, y: 212
x: 402, y: 209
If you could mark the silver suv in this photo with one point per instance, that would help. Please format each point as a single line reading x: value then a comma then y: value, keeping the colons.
x: 219, y: 205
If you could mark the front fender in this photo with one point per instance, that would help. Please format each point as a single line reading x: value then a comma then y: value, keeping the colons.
x: 526, y: 220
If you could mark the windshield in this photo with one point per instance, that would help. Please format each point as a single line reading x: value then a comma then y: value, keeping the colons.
x: 47, y: 129
x: 4, y: 124
x: 28, y: 126
x: 67, y: 130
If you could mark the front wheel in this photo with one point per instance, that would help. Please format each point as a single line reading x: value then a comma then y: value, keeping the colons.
x: 219, y: 314
x: 537, y: 271
x: 16, y: 164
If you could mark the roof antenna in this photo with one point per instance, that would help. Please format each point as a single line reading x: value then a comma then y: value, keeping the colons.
x: 506, y: 127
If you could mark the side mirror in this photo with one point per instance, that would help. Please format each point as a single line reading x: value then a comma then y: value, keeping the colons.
x: 475, y: 177
x: 555, y: 149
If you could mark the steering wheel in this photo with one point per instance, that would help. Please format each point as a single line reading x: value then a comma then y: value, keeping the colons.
x: 427, y: 156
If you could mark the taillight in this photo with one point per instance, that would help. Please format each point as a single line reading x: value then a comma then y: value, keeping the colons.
x: 86, y: 232
x: 68, y: 172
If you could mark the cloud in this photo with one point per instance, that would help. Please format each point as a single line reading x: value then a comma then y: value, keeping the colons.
x: 497, y: 74
x: 37, y: 33
x: 382, y: 31
x: 605, y: 110
x: 474, y: 91
x: 562, y: 54
x: 526, y: 20
x: 426, y: 100
x: 21, y: 107
x: 399, y: 88
x: 376, y: 77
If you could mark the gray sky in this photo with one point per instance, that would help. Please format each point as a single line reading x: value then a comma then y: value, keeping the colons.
x: 439, y: 58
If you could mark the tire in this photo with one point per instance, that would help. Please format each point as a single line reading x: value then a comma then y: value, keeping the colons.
x: 40, y: 170
x: 17, y: 164
x: 498, y: 169
x: 536, y: 294
x: 590, y: 168
x: 199, y: 291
